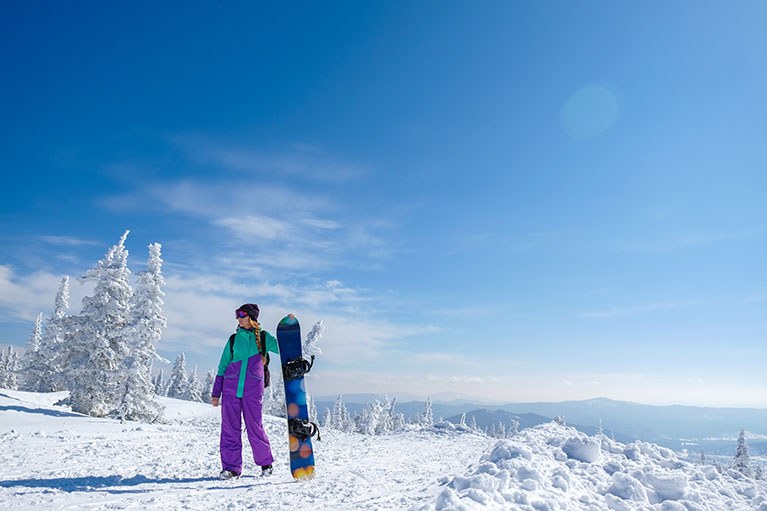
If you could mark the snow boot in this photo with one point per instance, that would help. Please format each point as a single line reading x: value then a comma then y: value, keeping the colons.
x: 228, y: 474
x: 266, y: 471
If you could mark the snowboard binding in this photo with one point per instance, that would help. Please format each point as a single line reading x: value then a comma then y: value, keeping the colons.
x: 295, y: 369
x: 303, y: 429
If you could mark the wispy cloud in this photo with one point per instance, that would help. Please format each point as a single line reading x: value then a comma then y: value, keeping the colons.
x: 297, y: 160
x: 67, y: 241
x: 612, y: 312
x: 23, y: 297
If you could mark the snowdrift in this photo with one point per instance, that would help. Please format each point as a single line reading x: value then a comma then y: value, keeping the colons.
x: 552, y: 467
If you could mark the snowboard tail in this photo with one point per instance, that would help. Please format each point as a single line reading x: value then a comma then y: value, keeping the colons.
x: 299, y: 434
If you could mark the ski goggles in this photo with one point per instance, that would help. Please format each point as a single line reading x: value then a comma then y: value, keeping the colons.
x: 240, y: 314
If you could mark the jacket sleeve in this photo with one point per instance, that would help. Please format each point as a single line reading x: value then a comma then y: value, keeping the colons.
x: 271, y: 343
x: 226, y: 359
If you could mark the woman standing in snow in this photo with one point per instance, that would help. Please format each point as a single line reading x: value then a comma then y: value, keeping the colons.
x: 240, y: 382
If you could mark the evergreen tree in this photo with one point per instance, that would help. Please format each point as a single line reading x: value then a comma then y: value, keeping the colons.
x: 310, y: 345
x: 57, y: 342
x: 312, y: 408
x: 179, y: 381
x: 428, y: 414
x: 742, y: 460
x: 462, y: 422
x: 33, y: 362
x: 100, y: 346
x: 9, y: 368
x: 194, y: 389
x: 341, y: 418
x: 560, y: 419
x: 473, y: 424
x: 159, y: 383
x: 210, y: 379
x: 139, y: 398
x: 702, y: 457
x: 514, y: 428
x: 759, y: 473
x: 327, y: 419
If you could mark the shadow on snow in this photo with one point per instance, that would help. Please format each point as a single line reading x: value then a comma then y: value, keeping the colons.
x: 112, y: 484
x: 44, y: 411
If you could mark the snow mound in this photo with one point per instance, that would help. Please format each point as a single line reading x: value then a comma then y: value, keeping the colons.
x: 552, y: 467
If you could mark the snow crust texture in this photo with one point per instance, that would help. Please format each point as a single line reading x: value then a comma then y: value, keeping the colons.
x: 552, y: 467
x: 53, y: 459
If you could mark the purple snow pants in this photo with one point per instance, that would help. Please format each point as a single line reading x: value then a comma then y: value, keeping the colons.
x: 233, y: 409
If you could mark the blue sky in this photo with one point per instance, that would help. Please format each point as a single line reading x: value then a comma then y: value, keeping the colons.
x: 518, y: 201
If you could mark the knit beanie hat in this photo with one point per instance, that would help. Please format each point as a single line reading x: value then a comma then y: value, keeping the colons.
x: 251, y: 309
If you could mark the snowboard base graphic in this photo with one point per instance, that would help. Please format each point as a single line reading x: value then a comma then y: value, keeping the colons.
x: 300, y: 443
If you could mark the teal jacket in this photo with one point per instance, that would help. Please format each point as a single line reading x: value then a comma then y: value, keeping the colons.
x: 245, y: 353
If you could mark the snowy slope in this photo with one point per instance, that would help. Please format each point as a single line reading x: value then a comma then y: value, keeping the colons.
x: 552, y: 467
x: 51, y: 458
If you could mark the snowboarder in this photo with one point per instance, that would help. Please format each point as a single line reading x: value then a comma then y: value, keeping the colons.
x: 239, y: 385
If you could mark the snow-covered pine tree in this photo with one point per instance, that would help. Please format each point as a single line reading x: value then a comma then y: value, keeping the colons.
x: 57, y: 342
x: 179, y: 381
x: 513, y: 428
x: 160, y: 387
x: 742, y: 459
x: 428, y: 414
x: 759, y: 473
x: 341, y: 418
x: 274, y: 396
x: 139, y: 399
x: 501, y: 430
x: 310, y: 346
x: 385, y: 417
x: 9, y: 368
x: 560, y: 419
x: 33, y: 363
x: 210, y: 379
x: 101, y: 344
x: 194, y: 389
x: 493, y: 433
x: 462, y: 422
x: 312, y: 408
x: 327, y: 419
x: 473, y: 424
x: 702, y: 459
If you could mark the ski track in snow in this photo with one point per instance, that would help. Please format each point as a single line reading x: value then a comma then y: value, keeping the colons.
x: 51, y: 458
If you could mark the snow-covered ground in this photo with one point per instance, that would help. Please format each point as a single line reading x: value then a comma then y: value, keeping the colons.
x: 51, y: 458
x: 552, y: 467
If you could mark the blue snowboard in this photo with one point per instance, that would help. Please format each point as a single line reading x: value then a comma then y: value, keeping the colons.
x: 301, y: 452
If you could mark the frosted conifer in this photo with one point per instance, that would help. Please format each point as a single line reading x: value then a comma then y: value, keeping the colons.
x: 9, y: 367
x: 341, y: 418
x: 57, y: 342
x: 33, y: 362
x: 742, y: 459
x: 194, y: 389
x: 179, y: 381
x: 138, y: 396
x: 100, y: 346
x: 310, y: 346
x: 428, y: 414
x: 210, y: 379
x: 159, y: 383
